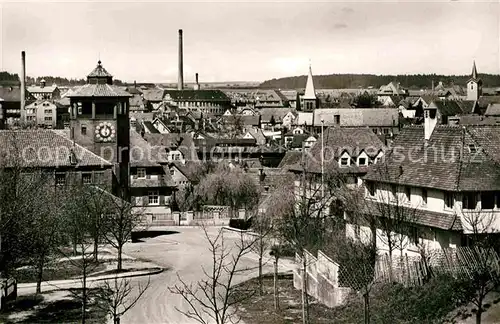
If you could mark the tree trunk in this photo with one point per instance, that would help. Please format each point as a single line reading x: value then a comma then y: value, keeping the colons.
x: 119, y: 267
x: 276, y: 292
x: 39, y: 277
x: 479, y: 315
x: 366, y: 298
x: 84, y: 294
x: 261, y: 252
x: 96, y: 248
x: 479, y: 312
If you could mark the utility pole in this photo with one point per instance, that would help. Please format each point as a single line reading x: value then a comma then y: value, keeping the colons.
x: 322, y: 160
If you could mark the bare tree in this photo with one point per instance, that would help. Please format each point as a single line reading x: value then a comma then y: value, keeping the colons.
x: 262, y: 226
x: 483, y: 266
x: 304, y: 219
x: 122, y: 219
x: 117, y: 296
x: 213, y: 297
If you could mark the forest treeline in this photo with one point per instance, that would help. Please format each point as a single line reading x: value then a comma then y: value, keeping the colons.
x: 13, y: 79
x: 350, y: 81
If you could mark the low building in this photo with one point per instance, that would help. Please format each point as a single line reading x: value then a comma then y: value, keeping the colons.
x: 44, y: 92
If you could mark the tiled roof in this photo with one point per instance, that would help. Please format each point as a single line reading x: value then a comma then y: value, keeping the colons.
x: 375, y: 117
x: 418, y: 216
x: 150, y: 127
x: 99, y: 90
x: 196, y: 95
x: 479, y: 120
x: 447, y: 107
x: 182, y: 141
x: 493, y: 110
x: 278, y: 113
x: 483, y: 101
x: 136, y: 101
x: 12, y: 94
x: 39, y: 89
x: 45, y: 149
x: 304, y: 118
x: 468, y: 106
x: 154, y: 95
x: 290, y: 158
x: 142, y: 154
x: 244, y: 119
x: 340, y: 140
x: 456, y: 158
x: 99, y: 72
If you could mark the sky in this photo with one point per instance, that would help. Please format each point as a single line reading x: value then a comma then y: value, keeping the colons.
x: 249, y: 41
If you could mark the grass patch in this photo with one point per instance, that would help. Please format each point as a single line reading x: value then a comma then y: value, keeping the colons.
x: 66, y: 310
x: 55, y: 271
x: 389, y: 303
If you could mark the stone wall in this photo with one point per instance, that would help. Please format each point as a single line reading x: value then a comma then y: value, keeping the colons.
x: 322, y: 279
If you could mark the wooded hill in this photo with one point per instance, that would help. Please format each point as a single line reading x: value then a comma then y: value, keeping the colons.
x: 7, y: 78
x: 350, y: 81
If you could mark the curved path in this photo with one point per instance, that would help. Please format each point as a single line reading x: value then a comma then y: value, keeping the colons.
x: 184, y: 253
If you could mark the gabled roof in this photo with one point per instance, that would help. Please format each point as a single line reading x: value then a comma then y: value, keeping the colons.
x: 375, y: 117
x: 456, y: 158
x: 338, y: 140
x: 153, y: 95
x: 291, y: 158
x: 39, y: 89
x: 181, y: 141
x: 99, y: 90
x: 11, y: 94
x: 197, y: 95
x: 468, y: 106
x: 44, y: 149
x: 278, y: 113
x: 150, y: 127
x: 310, y: 93
x: 143, y: 154
x: 447, y: 107
x: 493, y: 110
x: 298, y: 139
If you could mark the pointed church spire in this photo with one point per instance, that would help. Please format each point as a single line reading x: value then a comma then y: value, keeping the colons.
x: 310, y: 91
x: 474, y: 70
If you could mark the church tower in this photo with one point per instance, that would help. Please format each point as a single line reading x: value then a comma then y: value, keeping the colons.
x: 99, y: 121
x: 474, y: 85
x: 309, y: 100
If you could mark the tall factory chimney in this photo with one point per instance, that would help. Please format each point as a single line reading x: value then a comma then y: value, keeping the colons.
x: 23, y: 86
x: 180, y: 82
x: 196, y: 85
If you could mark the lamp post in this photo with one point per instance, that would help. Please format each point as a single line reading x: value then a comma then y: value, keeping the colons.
x: 322, y: 159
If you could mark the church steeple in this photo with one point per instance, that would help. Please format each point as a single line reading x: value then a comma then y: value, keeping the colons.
x: 474, y: 85
x: 309, y: 99
x: 310, y: 92
x: 474, y: 70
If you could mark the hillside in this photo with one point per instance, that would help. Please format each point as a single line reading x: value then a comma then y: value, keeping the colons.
x: 346, y: 81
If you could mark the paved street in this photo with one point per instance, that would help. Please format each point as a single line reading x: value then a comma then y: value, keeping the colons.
x: 183, y: 253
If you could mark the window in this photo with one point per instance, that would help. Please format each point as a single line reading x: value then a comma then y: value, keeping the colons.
x: 344, y: 161
x: 337, y: 119
x: 470, y: 200
x: 472, y: 148
x: 408, y: 193
x: 153, y: 197
x: 48, y: 118
x: 48, y: 111
x: 424, y: 196
x: 172, y: 172
x: 374, y: 130
x: 60, y: 179
x: 84, y: 130
x: 448, y: 200
x: 99, y: 177
x: 385, y: 131
x: 487, y: 200
x: 86, y: 178
x: 141, y: 173
x: 362, y: 161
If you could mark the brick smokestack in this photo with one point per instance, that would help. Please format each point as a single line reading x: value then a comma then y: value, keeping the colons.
x: 23, y: 86
x: 196, y: 85
x: 180, y: 82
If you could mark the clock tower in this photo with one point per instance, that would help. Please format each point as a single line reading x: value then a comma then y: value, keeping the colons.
x: 99, y: 121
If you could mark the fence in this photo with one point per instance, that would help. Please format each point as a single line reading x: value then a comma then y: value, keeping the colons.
x: 8, y: 290
x: 209, y: 215
x: 458, y: 262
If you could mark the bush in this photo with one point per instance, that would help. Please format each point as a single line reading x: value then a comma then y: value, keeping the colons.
x: 239, y: 223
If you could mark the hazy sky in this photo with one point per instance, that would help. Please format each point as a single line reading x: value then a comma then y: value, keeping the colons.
x: 249, y: 40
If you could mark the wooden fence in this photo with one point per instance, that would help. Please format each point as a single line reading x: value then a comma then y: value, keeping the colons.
x: 459, y: 262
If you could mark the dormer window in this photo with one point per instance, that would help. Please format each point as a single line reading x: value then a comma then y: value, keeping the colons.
x: 344, y: 161
x: 362, y: 161
x: 472, y: 148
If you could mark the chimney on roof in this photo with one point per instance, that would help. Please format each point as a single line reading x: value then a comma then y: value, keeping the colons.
x: 430, y: 120
x: 42, y: 83
x: 180, y: 82
x: 135, y: 84
x: 23, y: 86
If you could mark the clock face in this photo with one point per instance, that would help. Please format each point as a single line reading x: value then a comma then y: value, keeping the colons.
x: 105, y: 132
